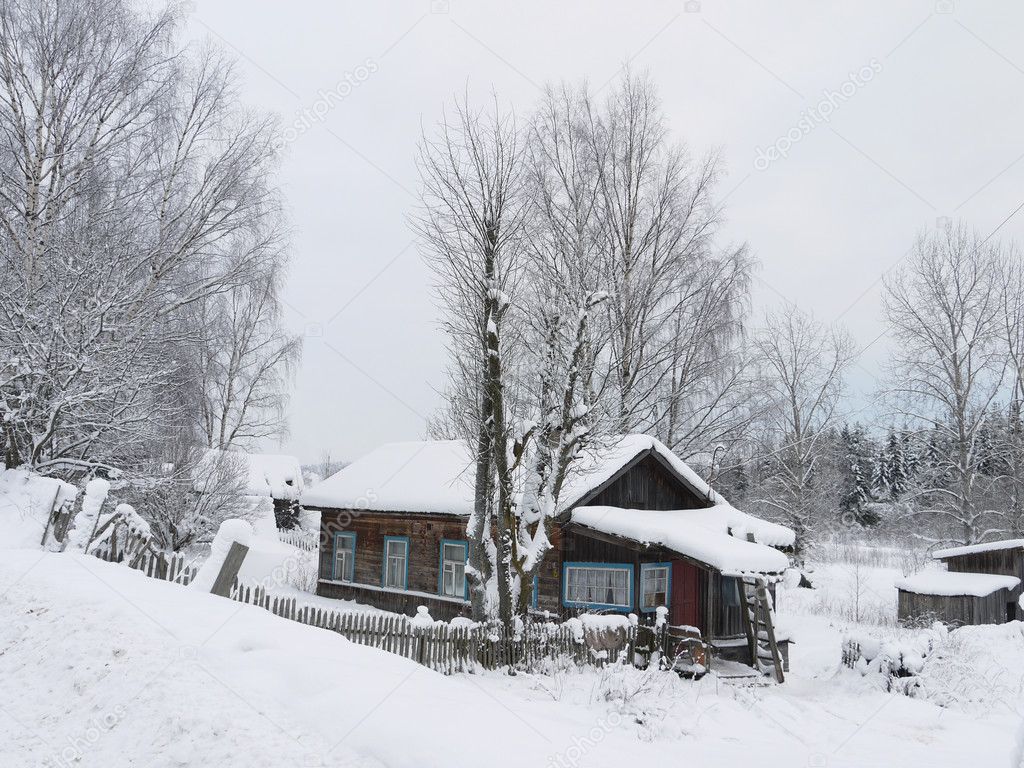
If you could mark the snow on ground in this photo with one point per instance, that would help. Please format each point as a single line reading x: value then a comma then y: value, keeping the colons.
x: 104, y: 667
x: 26, y: 500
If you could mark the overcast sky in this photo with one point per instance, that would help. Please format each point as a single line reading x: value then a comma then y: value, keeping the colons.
x: 884, y: 118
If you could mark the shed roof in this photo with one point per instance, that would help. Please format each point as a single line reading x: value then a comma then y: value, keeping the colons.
x: 700, y: 534
x: 973, y: 549
x: 950, y: 584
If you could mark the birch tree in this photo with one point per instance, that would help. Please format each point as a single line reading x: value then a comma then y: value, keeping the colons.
x: 519, y: 320
x: 132, y: 186
x: 948, y: 367
x: 1012, y: 329
x: 803, y: 363
x: 244, y: 361
x: 470, y: 225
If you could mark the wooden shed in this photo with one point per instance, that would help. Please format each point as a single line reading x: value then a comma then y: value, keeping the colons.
x: 957, y: 599
x: 1001, y: 558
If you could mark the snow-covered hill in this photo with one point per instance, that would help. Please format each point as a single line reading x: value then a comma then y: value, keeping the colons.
x: 104, y: 667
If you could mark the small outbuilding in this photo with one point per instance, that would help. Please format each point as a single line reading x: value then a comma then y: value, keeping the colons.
x: 1002, y: 558
x: 957, y: 599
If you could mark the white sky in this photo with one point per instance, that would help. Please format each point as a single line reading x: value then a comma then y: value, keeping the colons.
x: 938, y: 131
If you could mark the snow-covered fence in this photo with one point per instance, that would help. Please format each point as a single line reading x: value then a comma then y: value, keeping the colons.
x: 308, y: 541
x: 134, y: 552
x: 462, y: 645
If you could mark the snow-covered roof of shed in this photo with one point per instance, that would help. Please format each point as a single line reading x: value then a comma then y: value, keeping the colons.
x: 436, y: 476
x: 974, y: 549
x: 694, y: 533
x: 951, y: 584
x: 266, y: 474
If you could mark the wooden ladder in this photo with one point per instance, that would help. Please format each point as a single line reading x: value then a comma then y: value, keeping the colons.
x: 757, y: 622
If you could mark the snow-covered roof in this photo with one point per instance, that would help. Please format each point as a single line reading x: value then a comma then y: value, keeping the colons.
x: 436, y: 476
x: 266, y: 474
x: 976, y: 548
x: 697, y: 534
x: 949, y: 583
x: 725, y: 518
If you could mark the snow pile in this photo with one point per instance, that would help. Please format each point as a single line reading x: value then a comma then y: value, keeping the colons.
x: 678, y: 531
x: 953, y: 584
x: 26, y: 501
x: 87, y: 519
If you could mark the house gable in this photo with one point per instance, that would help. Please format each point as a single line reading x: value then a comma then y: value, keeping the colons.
x: 646, y: 482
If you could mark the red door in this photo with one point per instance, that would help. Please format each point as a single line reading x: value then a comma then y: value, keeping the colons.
x: 685, y: 594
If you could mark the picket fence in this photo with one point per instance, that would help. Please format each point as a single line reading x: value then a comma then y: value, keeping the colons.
x: 306, y: 540
x: 449, y: 648
x: 136, y: 553
x: 540, y: 646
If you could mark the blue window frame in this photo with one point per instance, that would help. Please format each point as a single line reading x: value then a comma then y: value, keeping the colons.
x: 598, y: 586
x: 395, y: 562
x: 655, y: 586
x: 451, y: 576
x: 343, y: 558
x: 533, y: 595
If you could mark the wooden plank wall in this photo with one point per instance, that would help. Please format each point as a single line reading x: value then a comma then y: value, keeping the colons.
x: 954, y: 610
x: 1003, y: 562
x: 648, y: 485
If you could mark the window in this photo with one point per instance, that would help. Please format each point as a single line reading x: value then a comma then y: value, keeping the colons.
x: 730, y: 591
x: 598, y: 585
x: 344, y: 557
x: 654, y: 585
x: 534, y: 597
x: 396, y: 562
x: 453, y: 568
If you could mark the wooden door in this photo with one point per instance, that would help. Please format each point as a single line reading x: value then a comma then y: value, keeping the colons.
x: 685, y: 600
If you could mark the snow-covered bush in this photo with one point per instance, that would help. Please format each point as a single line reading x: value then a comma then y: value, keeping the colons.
x: 187, y: 502
x: 897, y: 661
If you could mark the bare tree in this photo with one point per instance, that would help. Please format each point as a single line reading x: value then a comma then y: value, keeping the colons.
x: 498, y: 226
x: 949, y: 366
x: 803, y: 363
x: 656, y: 221
x: 131, y: 187
x: 1012, y: 315
x: 244, y: 360
x: 470, y: 225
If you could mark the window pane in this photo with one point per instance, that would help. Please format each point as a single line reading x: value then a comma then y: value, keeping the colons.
x: 655, y: 587
x: 597, y: 585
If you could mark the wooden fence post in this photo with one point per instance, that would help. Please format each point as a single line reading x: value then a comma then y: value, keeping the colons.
x: 229, y: 569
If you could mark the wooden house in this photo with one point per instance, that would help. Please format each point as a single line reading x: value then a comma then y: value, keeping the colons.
x: 957, y: 598
x: 637, y: 529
